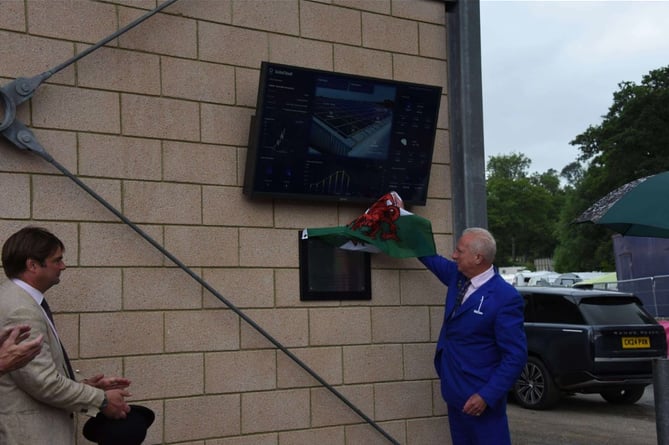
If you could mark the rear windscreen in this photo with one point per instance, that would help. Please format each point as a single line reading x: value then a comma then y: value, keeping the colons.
x: 614, y: 310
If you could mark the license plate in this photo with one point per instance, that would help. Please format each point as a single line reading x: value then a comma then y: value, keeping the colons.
x: 636, y: 342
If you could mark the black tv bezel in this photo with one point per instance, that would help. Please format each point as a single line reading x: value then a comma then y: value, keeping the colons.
x: 249, y: 183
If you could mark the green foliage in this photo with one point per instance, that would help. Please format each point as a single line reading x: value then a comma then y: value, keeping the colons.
x: 513, y: 166
x: 532, y: 216
x: 585, y: 247
x: 631, y: 142
x: 633, y: 139
x: 573, y: 173
x: 522, y: 210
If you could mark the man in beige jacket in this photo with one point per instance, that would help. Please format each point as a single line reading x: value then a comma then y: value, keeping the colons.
x: 39, y: 399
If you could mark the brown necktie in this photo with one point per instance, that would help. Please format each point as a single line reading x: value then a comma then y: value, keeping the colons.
x: 47, y: 309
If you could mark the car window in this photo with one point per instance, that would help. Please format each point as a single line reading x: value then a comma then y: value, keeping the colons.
x: 553, y: 308
x: 528, y: 307
x: 615, y: 310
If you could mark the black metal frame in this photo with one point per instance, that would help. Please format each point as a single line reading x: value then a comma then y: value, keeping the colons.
x: 321, y: 264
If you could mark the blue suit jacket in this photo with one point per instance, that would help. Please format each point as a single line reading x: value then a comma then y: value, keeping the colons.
x: 482, y: 346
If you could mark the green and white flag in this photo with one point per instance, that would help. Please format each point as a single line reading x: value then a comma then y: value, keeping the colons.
x: 384, y: 227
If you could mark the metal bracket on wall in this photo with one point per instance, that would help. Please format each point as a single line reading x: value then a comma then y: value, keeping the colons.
x: 22, y: 89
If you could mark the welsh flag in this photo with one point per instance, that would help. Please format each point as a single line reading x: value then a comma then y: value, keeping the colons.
x: 384, y: 227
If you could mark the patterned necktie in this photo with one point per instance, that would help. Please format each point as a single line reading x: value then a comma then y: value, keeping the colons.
x: 461, y: 293
x: 47, y: 309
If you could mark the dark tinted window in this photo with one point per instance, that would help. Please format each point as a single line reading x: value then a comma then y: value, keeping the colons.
x: 614, y: 310
x: 528, y: 307
x: 553, y: 309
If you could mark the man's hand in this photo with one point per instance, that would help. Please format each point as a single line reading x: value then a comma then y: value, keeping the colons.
x: 15, y: 352
x: 116, y: 407
x: 107, y: 383
x: 475, y: 405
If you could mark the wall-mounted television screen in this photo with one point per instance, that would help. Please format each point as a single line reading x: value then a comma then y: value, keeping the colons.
x: 330, y: 136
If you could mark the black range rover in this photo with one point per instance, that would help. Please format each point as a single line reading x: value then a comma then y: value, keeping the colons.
x: 586, y: 341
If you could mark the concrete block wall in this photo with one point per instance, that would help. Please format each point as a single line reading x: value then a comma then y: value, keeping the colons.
x: 157, y: 123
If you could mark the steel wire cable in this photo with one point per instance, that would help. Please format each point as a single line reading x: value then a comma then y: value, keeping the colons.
x: 22, y: 89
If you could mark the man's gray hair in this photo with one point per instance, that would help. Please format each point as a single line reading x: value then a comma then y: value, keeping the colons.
x: 482, y: 243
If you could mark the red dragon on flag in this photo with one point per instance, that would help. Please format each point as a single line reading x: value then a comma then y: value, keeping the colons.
x: 386, y: 227
x: 380, y: 217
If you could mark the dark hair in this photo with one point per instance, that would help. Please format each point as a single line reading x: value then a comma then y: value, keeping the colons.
x: 30, y: 242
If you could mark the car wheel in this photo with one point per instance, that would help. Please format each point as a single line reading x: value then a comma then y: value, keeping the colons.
x: 535, y: 388
x: 624, y: 396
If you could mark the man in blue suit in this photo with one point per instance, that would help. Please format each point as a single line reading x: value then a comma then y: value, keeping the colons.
x: 482, y: 347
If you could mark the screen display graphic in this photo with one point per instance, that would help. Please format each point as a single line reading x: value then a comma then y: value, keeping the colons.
x: 330, y: 136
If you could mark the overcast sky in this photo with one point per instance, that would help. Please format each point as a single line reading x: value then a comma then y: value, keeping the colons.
x: 550, y: 69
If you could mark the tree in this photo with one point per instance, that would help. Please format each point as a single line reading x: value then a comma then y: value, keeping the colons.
x: 633, y: 139
x: 513, y: 166
x: 573, y: 173
x: 631, y: 142
x: 522, y: 210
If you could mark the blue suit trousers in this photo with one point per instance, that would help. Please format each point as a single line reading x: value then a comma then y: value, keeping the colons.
x: 490, y: 428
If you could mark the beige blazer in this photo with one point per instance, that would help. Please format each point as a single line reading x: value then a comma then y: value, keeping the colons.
x: 37, y: 402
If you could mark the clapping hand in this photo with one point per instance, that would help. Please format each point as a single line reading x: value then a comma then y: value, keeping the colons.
x: 15, y: 351
x: 107, y: 383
